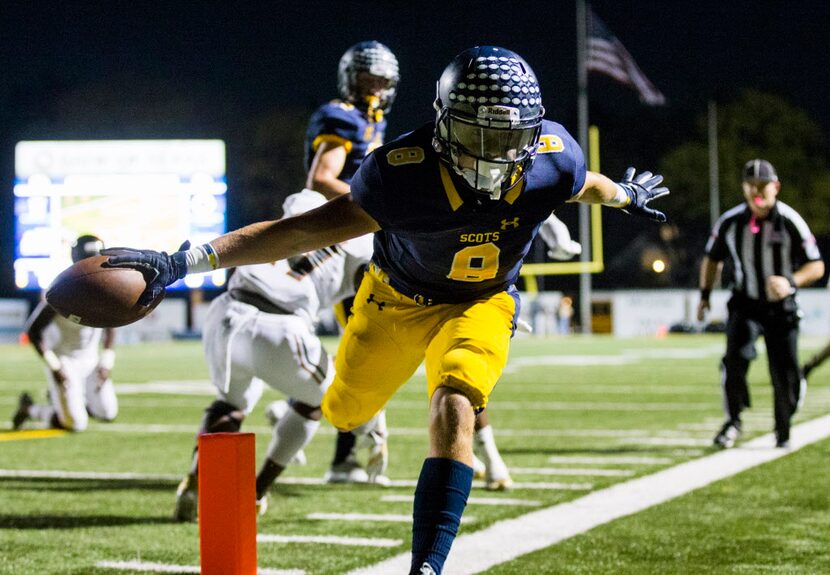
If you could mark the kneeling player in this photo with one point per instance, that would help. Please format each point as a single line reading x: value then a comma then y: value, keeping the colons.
x: 77, y: 369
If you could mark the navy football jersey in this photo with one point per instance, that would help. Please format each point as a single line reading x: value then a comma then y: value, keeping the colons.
x: 343, y: 123
x: 442, y: 241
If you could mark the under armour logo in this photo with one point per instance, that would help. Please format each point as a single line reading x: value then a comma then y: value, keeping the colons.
x: 426, y: 569
x: 371, y: 299
x: 511, y: 224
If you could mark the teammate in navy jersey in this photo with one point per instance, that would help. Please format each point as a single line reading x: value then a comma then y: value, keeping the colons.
x: 342, y: 132
x: 454, y: 207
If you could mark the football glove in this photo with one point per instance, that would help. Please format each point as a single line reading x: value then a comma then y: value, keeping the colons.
x: 160, y: 269
x: 557, y: 238
x: 640, y: 191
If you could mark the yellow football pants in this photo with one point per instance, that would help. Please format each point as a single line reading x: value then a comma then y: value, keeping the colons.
x: 465, y: 347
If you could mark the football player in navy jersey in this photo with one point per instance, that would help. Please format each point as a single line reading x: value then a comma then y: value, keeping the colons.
x: 454, y: 206
x: 342, y: 132
x: 339, y: 136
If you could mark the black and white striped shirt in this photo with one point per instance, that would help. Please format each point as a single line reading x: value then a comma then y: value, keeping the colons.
x: 778, y: 245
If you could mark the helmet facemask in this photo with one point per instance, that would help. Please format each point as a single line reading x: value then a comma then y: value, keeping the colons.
x: 490, y: 151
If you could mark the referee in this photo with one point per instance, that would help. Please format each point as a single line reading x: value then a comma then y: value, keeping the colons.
x: 772, y: 253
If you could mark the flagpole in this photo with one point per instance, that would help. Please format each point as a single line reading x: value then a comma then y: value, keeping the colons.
x: 585, y: 314
x: 714, y: 189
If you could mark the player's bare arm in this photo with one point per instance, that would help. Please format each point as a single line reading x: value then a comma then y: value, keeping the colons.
x: 336, y: 221
x: 632, y: 194
x: 326, y: 167
x: 43, y: 315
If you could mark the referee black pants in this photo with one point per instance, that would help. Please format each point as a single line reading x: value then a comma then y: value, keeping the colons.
x: 778, y: 322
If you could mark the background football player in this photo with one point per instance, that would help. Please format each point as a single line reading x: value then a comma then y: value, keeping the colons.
x: 339, y: 136
x: 77, y: 368
x: 454, y: 207
x: 261, y: 331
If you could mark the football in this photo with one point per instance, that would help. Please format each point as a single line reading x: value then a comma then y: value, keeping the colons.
x: 91, y: 294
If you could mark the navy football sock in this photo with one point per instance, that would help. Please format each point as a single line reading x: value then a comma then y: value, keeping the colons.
x: 440, y: 498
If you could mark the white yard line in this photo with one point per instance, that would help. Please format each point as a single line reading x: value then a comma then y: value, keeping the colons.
x: 473, y: 501
x: 106, y: 476
x: 330, y: 540
x: 373, y: 517
x: 571, y: 471
x: 574, y: 406
x: 90, y: 475
x: 511, y: 538
x: 610, y: 460
x: 167, y: 568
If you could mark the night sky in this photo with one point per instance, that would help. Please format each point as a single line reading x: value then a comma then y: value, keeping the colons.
x: 257, y: 57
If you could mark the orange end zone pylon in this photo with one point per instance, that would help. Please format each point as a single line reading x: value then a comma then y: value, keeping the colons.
x: 227, y: 504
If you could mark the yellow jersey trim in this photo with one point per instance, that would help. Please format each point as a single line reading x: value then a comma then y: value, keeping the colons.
x: 514, y: 192
x: 333, y: 139
x: 449, y: 188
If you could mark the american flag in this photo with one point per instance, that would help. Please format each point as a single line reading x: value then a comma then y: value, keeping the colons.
x: 608, y: 56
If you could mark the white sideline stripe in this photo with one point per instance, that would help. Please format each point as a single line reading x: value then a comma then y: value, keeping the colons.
x: 330, y: 540
x: 380, y: 517
x: 611, y: 459
x: 571, y: 471
x: 505, y: 540
x: 167, y: 568
x: 472, y: 500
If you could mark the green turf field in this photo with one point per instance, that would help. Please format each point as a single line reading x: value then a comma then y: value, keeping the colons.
x: 572, y: 416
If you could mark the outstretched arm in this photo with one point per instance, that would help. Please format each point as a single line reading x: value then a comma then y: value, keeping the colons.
x: 335, y: 221
x: 631, y: 194
x: 263, y: 242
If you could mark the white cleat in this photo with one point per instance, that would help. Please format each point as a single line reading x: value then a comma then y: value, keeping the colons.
x: 262, y: 506
x: 187, y: 500
x: 479, y: 469
x: 349, y: 471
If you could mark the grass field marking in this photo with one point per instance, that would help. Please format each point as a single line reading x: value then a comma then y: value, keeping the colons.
x: 167, y: 568
x: 31, y: 434
x: 173, y: 387
x: 575, y: 406
x: 84, y: 475
x: 472, y: 500
x: 551, y: 486
x: 506, y: 540
x: 610, y: 460
x: 330, y: 540
x: 571, y: 471
x: 368, y: 517
x: 173, y: 479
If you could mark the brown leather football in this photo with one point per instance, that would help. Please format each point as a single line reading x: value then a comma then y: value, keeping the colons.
x: 91, y: 294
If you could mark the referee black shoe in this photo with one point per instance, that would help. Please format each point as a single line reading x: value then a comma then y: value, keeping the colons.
x: 728, y: 434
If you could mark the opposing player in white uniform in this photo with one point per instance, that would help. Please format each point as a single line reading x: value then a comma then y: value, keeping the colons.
x: 77, y: 369
x: 261, y: 331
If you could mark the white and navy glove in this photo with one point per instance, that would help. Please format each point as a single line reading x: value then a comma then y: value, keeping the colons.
x: 640, y: 191
x: 557, y: 238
